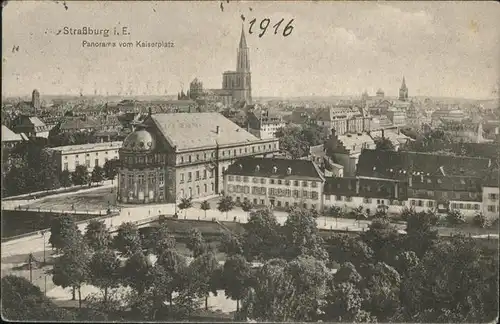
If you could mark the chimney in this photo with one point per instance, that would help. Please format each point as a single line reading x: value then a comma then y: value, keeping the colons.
x: 217, y: 130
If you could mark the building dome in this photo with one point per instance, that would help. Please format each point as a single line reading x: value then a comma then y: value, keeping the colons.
x: 139, y: 141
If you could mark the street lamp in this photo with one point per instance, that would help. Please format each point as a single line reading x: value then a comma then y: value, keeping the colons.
x: 43, y: 236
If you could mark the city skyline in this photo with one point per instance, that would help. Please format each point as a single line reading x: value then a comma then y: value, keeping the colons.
x: 442, y: 49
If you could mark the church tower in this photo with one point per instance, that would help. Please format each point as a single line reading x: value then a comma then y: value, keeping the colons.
x: 243, y: 87
x: 35, y: 100
x: 403, y: 91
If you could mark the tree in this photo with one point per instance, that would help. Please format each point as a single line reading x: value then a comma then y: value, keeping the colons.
x: 263, y: 237
x: 359, y: 214
x: 205, y: 205
x: 225, y: 204
x: 111, y: 168
x: 453, y: 282
x: 383, y: 283
x: 291, y: 141
x: 63, y: 232
x: 136, y: 272
x: 383, y: 239
x: 72, y: 268
x: 104, y: 271
x: 236, y: 278
x: 172, y: 268
x: 334, y: 211
x: 480, y: 220
x: 185, y: 204
x: 158, y: 240
x: 383, y: 144
x: 97, y: 174
x: 97, y: 236
x: 196, y: 243
x: 301, y: 236
x: 127, y: 241
x: 22, y: 301
x: 455, y: 217
x: 381, y: 212
x: 202, y: 273
x: 65, y: 179
x: 420, y: 236
x: 231, y: 244
x: 80, y: 176
x: 343, y: 248
x: 406, y: 261
x: 246, y: 205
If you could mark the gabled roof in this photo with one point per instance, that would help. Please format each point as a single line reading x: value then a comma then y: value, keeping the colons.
x: 275, y: 168
x: 193, y: 130
x: 388, y: 164
x: 9, y: 136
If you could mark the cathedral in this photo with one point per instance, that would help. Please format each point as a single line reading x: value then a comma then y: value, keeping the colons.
x: 236, y: 85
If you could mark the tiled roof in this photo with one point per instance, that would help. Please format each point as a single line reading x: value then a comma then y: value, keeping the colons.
x: 187, y: 131
x: 372, y: 188
x: 87, y: 147
x: 72, y: 123
x: 388, y: 164
x: 9, y: 136
x: 275, y: 168
x: 354, y: 143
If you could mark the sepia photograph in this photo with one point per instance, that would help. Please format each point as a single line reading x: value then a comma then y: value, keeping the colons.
x: 250, y: 161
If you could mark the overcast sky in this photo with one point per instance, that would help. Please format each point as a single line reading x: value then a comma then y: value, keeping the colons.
x: 443, y: 49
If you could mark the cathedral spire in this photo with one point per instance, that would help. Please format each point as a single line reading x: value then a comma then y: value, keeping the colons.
x: 243, y: 41
x: 403, y: 84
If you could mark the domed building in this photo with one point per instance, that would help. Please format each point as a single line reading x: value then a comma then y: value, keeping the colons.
x: 171, y: 156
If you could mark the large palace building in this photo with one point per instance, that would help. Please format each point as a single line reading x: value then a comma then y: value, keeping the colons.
x: 170, y: 156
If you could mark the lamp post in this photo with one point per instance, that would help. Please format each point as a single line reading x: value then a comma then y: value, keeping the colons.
x: 43, y: 237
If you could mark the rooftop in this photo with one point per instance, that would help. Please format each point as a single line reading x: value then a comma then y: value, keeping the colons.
x: 9, y: 136
x: 87, y: 147
x: 275, y: 168
x: 192, y: 130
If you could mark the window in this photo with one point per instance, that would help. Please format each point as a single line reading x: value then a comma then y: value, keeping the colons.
x: 454, y: 206
x: 279, y: 182
x: 245, y: 179
x: 279, y: 203
x: 197, y: 157
x: 461, y: 205
x: 491, y: 208
x: 212, y: 185
x: 262, y: 201
x: 198, y: 190
x: 230, y: 178
x: 182, y: 178
x: 96, y: 162
x: 348, y: 199
x: 197, y: 175
x: 367, y: 200
x: 255, y: 199
x: 87, y: 163
x: 263, y: 181
x: 430, y: 204
x: 234, y: 152
x: 161, y: 178
x: 211, y: 173
x: 314, y: 195
x: 238, y: 178
x: 412, y: 202
x: 492, y: 196
x: 66, y: 166
x: 190, y: 192
x: 189, y: 177
x: 477, y: 206
x: 287, y: 182
x: 338, y: 198
x: 296, y: 183
x: 314, y: 184
x: 271, y: 181
x: 189, y: 159
x: 255, y: 180
x: 204, y: 174
x: 304, y: 184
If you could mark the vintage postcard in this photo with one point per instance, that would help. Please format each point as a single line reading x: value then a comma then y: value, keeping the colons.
x: 250, y: 161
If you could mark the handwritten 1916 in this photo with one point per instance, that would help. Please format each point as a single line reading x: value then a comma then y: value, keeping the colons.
x: 264, y: 24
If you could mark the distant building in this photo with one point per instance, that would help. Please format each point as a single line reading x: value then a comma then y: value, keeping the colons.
x: 346, y: 149
x: 491, y: 195
x: 264, y: 124
x: 171, y: 156
x: 403, y: 91
x: 236, y: 85
x: 344, y: 119
x: 35, y: 100
x: 91, y: 155
x: 279, y: 183
x: 397, y: 138
x: 9, y: 138
x: 31, y: 126
x: 448, y: 114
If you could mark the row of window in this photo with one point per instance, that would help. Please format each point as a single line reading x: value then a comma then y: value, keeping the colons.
x: 197, y: 176
x: 151, y: 158
x: 224, y: 153
x: 465, y: 206
x: 492, y: 196
x: 88, y: 154
x: 198, y: 190
x: 492, y: 208
x: 444, y: 194
x: 276, y: 203
x: 87, y: 163
x: 296, y: 183
x: 274, y: 192
x: 422, y: 203
x: 141, y: 179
